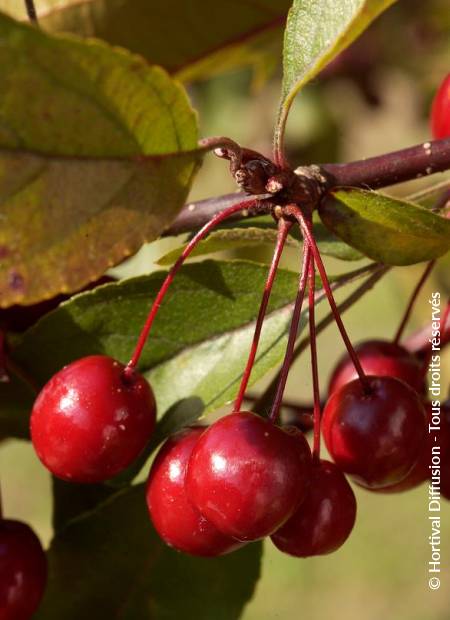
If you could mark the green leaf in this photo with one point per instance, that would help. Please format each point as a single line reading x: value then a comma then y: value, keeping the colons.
x: 387, y: 230
x: 316, y: 32
x: 112, y: 561
x: 183, y: 36
x: 230, y: 239
x: 98, y: 161
x: 71, y: 500
x: 261, y: 231
x: 16, y: 400
x: 210, y: 305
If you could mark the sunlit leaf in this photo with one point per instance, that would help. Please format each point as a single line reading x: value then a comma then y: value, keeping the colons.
x: 316, y: 32
x: 387, y: 230
x: 95, y: 158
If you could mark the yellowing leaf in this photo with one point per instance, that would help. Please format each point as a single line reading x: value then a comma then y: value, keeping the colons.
x: 96, y: 157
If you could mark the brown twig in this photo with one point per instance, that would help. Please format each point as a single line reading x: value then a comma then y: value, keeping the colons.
x: 31, y: 11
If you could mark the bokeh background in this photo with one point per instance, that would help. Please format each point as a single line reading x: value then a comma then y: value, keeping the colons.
x: 374, y: 98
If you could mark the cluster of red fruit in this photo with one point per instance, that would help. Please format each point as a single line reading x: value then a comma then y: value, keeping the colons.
x: 243, y: 478
x: 212, y: 490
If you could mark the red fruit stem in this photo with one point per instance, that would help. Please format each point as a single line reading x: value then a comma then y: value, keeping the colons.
x: 217, y: 219
x: 412, y: 300
x: 264, y: 401
x: 307, y: 233
x: 302, y: 407
x: 293, y: 330
x: 314, y: 366
x: 283, y: 229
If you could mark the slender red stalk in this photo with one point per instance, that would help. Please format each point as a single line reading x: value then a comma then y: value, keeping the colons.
x: 217, y: 219
x: 302, y: 407
x: 307, y: 233
x: 283, y: 229
x: 314, y: 366
x: 412, y: 300
x: 293, y: 330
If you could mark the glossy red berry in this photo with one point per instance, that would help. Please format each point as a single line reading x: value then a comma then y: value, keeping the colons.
x: 23, y: 571
x: 247, y: 476
x: 325, y: 518
x: 375, y: 437
x: 178, y: 523
x: 88, y: 423
x: 440, y: 110
x: 379, y: 358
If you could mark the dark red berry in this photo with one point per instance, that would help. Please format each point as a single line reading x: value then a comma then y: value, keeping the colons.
x: 88, y: 423
x: 376, y: 437
x: 247, y: 476
x: 440, y: 110
x: 23, y: 571
x: 178, y: 523
x: 379, y: 358
x: 325, y: 518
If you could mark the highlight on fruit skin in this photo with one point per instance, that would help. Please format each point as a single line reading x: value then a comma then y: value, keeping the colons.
x: 23, y: 570
x: 175, y: 519
x: 89, y: 423
x: 247, y: 476
x: 324, y: 520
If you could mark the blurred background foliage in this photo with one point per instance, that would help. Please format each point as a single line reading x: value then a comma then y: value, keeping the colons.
x: 372, y: 99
